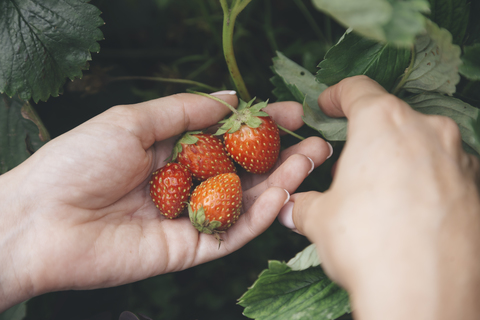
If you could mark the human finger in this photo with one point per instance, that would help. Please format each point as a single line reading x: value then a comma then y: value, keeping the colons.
x: 288, y: 176
x: 306, y: 215
x: 163, y: 118
x: 338, y: 100
x: 288, y: 114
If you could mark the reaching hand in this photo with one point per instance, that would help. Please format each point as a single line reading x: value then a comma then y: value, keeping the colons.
x: 78, y: 214
x: 400, y: 226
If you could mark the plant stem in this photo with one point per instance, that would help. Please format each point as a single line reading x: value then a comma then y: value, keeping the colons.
x: 290, y: 132
x: 406, y: 74
x: 217, y: 99
x: 168, y: 80
x: 229, y: 17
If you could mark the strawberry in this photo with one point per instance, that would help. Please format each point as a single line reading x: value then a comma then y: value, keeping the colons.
x: 252, y: 138
x: 204, y: 154
x: 169, y: 188
x: 216, y: 203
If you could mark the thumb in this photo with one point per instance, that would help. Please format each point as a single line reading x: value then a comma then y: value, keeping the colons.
x: 302, y: 214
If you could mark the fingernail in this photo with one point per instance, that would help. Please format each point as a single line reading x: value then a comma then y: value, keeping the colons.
x: 288, y: 197
x: 219, y: 93
x: 313, y: 165
x: 285, y: 216
x: 331, y: 150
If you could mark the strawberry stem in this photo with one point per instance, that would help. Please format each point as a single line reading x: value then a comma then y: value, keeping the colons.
x: 229, y: 16
x: 216, y: 99
x: 290, y: 132
x: 166, y: 80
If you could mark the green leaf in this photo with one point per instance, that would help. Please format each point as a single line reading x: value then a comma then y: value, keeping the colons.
x: 394, y: 21
x: 281, y: 92
x: 333, y: 129
x: 299, y: 81
x: 282, y: 294
x: 354, y: 55
x: 306, y: 258
x: 43, y: 43
x: 21, y: 132
x: 437, y: 61
x: 17, y: 312
x: 303, y: 86
x: 471, y: 62
x: 452, y: 15
x: 466, y: 116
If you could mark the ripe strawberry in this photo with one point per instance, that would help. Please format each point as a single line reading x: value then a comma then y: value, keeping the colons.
x: 255, y: 149
x: 169, y: 188
x: 216, y: 203
x: 252, y: 138
x: 204, y: 154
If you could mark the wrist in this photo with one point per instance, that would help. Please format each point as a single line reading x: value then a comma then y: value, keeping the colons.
x: 15, y: 283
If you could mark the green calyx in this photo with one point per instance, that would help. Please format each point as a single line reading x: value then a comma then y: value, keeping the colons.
x: 246, y: 113
x: 204, y: 225
x: 187, y: 138
x: 201, y: 223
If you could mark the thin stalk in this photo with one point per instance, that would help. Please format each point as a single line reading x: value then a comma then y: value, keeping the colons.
x: 406, y: 74
x: 290, y: 132
x: 229, y: 106
x: 229, y: 17
x: 167, y: 80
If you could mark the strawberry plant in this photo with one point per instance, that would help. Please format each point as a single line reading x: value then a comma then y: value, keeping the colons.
x: 425, y: 52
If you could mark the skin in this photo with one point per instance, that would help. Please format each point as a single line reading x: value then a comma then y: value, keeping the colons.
x: 77, y: 214
x: 400, y: 226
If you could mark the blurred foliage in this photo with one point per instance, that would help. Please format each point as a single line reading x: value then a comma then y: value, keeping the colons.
x: 182, y: 39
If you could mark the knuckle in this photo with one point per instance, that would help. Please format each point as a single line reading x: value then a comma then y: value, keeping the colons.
x: 447, y: 127
x: 389, y: 107
x: 123, y: 111
x: 450, y: 127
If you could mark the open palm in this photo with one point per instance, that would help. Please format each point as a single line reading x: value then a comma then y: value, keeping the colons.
x: 94, y: 224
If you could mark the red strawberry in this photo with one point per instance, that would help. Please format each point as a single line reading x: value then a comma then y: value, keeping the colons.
x: 255, y: 149
x: 216, y: 203
x: 204, y: 154
x: 169, y: 188
x: 252, y: 138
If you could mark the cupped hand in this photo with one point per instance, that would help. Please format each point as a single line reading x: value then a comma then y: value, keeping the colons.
x: 85, y: 216
x: 400, y: 226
